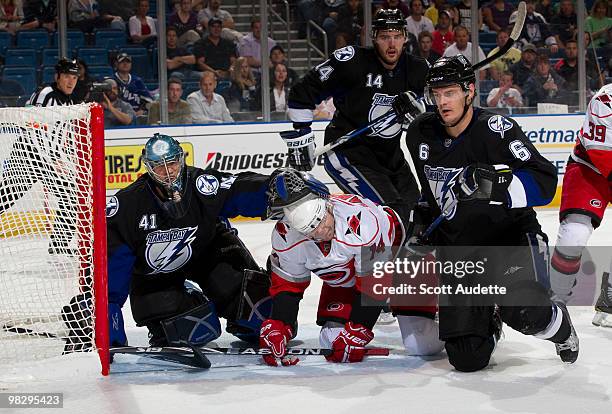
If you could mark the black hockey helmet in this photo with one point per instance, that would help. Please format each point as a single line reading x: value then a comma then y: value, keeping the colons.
x: 449, y: 71
x: 388, y: 19
x: 70, y: 66
x: 289, y: 186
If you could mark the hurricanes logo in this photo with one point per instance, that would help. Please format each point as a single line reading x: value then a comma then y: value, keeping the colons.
x: 169, y: 250
x: 441, y: 181
x: 499, y: 124
x: 605, y: 99
x: 354, y: 225
x: 381, y: 104
x: 595, y: 203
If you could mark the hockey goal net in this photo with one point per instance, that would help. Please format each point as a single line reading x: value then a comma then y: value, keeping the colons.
x: 53, y: 296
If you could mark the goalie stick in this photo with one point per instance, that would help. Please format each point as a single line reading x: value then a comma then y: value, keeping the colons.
x: 390, y: 117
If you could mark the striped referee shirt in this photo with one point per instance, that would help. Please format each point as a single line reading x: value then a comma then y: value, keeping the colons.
x: 49, y: 96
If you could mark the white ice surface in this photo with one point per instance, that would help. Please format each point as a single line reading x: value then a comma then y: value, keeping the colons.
x: 525, y: 375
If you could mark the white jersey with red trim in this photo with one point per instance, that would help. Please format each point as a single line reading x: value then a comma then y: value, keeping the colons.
x: 361, y: 228
x: 594, y: 144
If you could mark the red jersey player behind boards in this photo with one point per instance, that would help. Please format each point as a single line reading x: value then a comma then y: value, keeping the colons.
x: 338, y: 238
x: 586, y: 193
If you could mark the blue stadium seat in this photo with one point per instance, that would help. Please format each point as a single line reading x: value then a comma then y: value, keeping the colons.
x: 487, y: 37
x: 101, y: 71
x: 26, y: 76
x: 47, y: 74
x: 93, y: 56
x: 189, y: 87
x: 35, y: 39
x: 487, y: 47
x: 6, y: 41
x: 20, y: 57
x: 76, y: 39
x: 50, y: 56
x: 110, y: 39
x: 487, y: 85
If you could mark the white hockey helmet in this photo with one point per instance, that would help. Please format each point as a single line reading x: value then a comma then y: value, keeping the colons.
x: 307, y: 215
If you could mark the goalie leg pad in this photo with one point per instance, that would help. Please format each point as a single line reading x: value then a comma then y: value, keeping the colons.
x: 254, y: 307
x: 197, y: 326
x: 470, y: 353
x: 420, y: 335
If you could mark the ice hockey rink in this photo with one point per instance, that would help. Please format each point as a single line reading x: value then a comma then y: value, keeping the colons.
x: 525, y: 375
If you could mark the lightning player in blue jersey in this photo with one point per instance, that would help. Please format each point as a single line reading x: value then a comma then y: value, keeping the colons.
x: 166, y: 228
x: 482, y: 172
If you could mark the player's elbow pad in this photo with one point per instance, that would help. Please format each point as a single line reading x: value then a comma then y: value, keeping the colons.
x: 117, y: 335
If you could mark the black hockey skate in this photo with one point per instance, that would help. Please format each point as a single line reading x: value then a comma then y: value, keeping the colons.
x: 568, y: 350
x: 603, y: 306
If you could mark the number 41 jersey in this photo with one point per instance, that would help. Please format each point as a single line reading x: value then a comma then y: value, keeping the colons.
x: 489, y: 139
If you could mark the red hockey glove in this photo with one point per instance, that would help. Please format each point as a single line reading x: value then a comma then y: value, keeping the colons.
x: 274, y: 336
x: 349, y: 346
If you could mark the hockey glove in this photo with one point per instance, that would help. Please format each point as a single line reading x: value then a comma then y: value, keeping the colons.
x: 349, y: 345
x: 420, y: 218
x: 485, y: 182
x: 300, y: 146
x: 407, y: 107
x: 274, y: 336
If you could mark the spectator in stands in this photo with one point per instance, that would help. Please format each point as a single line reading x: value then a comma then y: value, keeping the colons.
x: 11, y: 15
x: 396, y: 4
x: 416, y: 22
x: 350, y: 23
x: 536, y: 30
x: 463, y: 13
x: 123, y: 8
x: 463, y: 46
x: 40, y: 14
x: 116, y: 111
x: 244, y: 86
x: 443, y: 36
x: 185, y: 20
x: 567, y: 68
x: 322, y: 12
x: 250, y: 46
x: 502, y: 64
x: 214, y: 53
x: 434, y: 10
x: 496, y: 14
x: 545, y: 8
x: 10, y: 91
x: 524, y: 68
x: 179, y: 112
x: 84, y: 16
x: 206, y: 106
x: 142, y: 26
x: 280, y: 89
x: 179, y: 61
x: 214, y: 10
x: 277, y: 55
x: 545, y: 85
x: 131, y: 87
x: 82, y: 89
x: 564, y: 24
x: 425, y: 51
x: 505, y: 96
x: 598, y: 23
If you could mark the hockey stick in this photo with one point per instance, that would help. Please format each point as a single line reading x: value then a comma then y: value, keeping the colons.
x: 167, y: 350
x: 521, y: 14
x: 385, y: 120
x: 443, y: 216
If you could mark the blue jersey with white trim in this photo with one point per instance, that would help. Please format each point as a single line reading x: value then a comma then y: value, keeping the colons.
x: 489, y: 139
x: 148, y: 249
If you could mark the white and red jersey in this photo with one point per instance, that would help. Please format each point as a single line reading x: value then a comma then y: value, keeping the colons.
x: 364, y: 233
x: 594, y: 143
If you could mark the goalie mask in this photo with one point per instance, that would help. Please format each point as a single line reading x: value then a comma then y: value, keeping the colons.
x: 164, y: 160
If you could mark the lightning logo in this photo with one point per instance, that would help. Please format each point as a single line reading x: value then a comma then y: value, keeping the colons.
x: 169, y: 250
x: 441, y: 181
x: 381, y: 104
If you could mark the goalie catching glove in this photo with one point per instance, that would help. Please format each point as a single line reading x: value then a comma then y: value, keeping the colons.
x: 485, y: 182
x: 349, y: 345
x: 407, y: 107
x: 274, y: 336
x: 300, y: 146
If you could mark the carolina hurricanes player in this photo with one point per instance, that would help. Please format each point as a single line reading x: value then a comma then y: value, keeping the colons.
x: 338, y: 238
x: 586, y: 193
